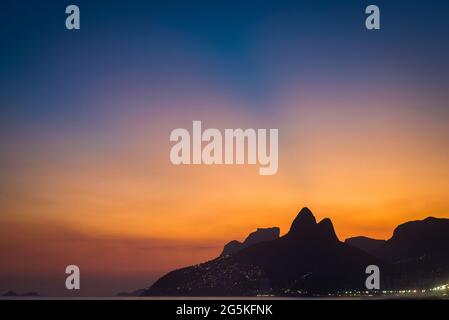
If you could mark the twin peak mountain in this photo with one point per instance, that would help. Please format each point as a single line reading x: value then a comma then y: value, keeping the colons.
x: 304, y: 226
x: 310, y: 259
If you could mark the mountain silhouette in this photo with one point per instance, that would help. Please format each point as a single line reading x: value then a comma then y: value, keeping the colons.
x: 14, y: 294
x: 309, y: 258
x: 260, y: 235
x: 372, y: 246
x: 417, y: 249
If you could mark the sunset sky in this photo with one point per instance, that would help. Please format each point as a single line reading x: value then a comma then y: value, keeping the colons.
x: 85, y: 173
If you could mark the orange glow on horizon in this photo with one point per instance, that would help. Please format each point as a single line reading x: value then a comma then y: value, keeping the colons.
x: 119, y: 192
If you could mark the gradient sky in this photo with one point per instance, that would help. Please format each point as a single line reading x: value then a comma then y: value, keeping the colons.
x: 85, y: 176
